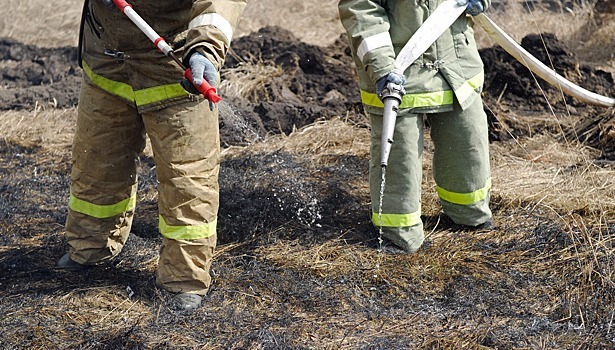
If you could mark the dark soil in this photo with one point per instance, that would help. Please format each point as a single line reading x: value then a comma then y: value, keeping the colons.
x: 512, y: 84
x: 33, y: 75
x: 318, y: 83
x: 488, y: 299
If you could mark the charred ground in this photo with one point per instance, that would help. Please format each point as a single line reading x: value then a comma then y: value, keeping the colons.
x: 297, y: 266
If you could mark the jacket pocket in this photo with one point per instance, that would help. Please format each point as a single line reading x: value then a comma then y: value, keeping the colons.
x: 95, y: 27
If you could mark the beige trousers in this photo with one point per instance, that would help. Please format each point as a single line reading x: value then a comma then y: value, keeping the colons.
x: 109, y: 138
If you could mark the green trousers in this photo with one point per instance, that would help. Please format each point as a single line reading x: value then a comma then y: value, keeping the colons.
x: 460, y: 169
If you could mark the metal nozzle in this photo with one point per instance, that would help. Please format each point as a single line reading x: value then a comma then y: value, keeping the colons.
x: 391, y: 97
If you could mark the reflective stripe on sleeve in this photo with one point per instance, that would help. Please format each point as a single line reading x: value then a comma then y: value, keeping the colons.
x: 139, y: 97
x: 186, y: 232
x: 373, y: 42
x: 464, y: 198
x: 101, y: 211
x: 215, y: 20
x: 397, y: 220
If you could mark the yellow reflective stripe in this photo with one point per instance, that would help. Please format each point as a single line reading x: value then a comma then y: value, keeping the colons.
x: 464, y: 198
x: 159, y: 93
x: 115, y: 87
x: 397, y: 220
x: 186, y: 232
x: 427, y: 99
x: 423, y: 99
x: 101, y: 211
x: 140, y: 97
x: 468, y: 88
x: 371, y: 99
x: 430, y: 99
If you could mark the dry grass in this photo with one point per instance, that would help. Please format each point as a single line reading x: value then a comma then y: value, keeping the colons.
x: 42, y: 23
x: 539, y: 169
x: 551, y: 255
x: 49, y: 24
x: 52, y: 127
x: 323, y: 139
x: 542, y: 187
x: 249, y: 80
x: 313, y: 22
x: 544, y: 171
x: 518, y: 21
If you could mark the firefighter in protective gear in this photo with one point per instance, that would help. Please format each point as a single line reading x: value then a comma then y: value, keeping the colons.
x: 443, y: 86
x: 131, y: 90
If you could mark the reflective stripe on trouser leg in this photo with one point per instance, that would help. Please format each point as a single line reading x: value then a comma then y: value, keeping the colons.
x: 108, y: 139
x: 461, y: 163
x: 401, y: 205
x: 185, y: 141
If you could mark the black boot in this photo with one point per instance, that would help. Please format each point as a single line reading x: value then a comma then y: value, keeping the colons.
x: 66, y: 263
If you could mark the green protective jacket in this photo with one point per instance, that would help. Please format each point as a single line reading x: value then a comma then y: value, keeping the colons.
x: 117, y: 57
x: 450, y: 69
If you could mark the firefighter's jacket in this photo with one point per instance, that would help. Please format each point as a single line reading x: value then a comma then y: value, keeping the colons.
x: 120, y: 59
x: 450, y: 68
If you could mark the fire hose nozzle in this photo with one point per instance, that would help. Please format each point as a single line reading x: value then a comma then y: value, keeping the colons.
x: 391, y: 97
x: 208, y: 91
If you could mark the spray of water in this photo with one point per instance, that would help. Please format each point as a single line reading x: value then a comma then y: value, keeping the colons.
x: 234, y: 121
x: 381, y: 196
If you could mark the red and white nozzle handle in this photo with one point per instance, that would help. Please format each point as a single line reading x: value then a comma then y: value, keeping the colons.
x: 208, y: 91
x: 126, y: 9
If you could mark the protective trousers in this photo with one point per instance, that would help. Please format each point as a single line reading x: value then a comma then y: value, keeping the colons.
x: 460, y: 169
x: 110, y: 136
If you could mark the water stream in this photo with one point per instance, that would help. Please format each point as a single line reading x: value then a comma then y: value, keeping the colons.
x: 382, y: 184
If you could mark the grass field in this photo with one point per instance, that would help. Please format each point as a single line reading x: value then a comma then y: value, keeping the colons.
x: 544, y: 279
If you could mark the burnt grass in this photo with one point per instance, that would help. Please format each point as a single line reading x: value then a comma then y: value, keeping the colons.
x: 298, y: 264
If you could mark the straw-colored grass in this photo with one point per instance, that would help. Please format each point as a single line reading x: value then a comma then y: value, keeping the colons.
x: 518, y: 21
x: 549, y: 261
x: 313, y: 22
x: 323, y: 139
x: 42, y: 23
x: 249, y: 80
x: 54, y: 24
x: 49, y: 126
x: 546, y: 172
x: 539, y: 169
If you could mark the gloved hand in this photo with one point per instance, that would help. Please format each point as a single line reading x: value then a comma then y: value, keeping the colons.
x: 389, y: 78
x: 201, y: 68
x: 475, y: 7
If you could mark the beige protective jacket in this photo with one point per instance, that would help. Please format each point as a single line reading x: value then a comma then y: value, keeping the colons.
x: 451, y: 67
x: 121, y: 60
